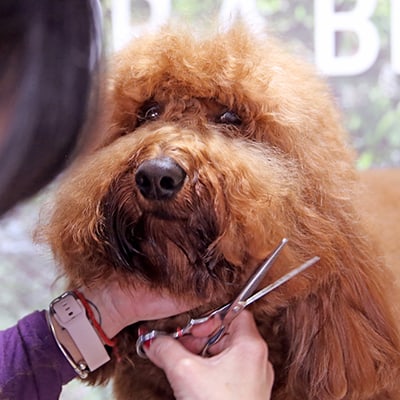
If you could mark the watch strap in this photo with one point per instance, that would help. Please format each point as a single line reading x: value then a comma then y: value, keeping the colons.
x: 71, y: 315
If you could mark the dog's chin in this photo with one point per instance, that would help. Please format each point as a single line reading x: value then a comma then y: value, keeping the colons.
x: 166, y: 247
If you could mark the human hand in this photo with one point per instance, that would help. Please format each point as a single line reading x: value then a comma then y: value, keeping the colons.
x: 120, y: 306
x: 240, y: 370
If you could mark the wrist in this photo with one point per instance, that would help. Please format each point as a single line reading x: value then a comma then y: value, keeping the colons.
x: 109, y: 317
x: 67, y: 346
x: 77, y: 333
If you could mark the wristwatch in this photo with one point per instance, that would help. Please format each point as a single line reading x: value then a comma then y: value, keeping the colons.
x: 70, y: 314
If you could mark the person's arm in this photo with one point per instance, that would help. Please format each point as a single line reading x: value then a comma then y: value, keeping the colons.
x: 240, y: 370
x: 31, y: 364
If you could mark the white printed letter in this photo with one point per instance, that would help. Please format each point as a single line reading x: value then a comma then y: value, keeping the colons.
x: 328, y: 22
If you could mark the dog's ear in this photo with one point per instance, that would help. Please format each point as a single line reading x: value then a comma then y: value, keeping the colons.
x: 342, y: 342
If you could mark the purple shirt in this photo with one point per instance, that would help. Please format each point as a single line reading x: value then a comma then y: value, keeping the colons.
x: 32, y: 366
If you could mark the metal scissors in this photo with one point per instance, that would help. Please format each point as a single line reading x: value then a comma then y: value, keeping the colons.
x: 228, y: 312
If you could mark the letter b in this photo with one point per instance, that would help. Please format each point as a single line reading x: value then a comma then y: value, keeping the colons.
x: 328, y: 22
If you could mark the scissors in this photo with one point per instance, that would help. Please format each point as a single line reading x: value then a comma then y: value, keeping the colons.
x: 228, y: 312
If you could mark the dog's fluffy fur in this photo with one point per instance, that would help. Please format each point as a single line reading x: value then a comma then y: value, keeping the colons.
x: 264, y: 156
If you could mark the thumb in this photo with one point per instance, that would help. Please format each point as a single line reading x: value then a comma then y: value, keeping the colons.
x: 165, y: 352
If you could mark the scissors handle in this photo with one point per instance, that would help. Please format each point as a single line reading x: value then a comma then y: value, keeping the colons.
x: 215, y: 338
x: 186, y: 330
x: 146, y: 337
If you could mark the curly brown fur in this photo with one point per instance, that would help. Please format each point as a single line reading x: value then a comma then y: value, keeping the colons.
x: 277, y: 165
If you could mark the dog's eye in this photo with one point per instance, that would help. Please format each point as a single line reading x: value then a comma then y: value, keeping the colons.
x: 149, y: 112
x: 229, y: 118
x: 152, y: 113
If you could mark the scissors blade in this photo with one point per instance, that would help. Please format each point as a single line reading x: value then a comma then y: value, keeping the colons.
x: 240, y: 302
x: 256, y: 296
x: 227, y: 312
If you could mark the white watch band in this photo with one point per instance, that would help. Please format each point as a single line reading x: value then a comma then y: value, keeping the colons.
x: 70, y: 313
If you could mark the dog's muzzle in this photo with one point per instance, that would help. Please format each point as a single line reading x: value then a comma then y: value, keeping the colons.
x: 159, y: 178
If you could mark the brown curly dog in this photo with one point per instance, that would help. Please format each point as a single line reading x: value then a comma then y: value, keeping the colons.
x: 215, y: 150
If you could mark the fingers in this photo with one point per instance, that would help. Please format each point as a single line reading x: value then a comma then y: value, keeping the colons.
x: 243, y: 327
x: 270, y: 374
x: 242, y: 336
x: 196, y: 341
x: 240, y: 369
x: 194, y: 344
x: 243, y: 331
x: 206, y: 328
x: 166, y: 353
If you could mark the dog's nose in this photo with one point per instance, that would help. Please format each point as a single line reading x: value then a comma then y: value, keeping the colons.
x: 159, y: 178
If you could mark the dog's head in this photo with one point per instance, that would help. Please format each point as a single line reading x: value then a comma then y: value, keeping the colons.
x: 215, y: 150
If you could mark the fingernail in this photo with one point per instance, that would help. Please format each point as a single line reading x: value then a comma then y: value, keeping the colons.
x: 179, y: 332
x: 147, y: 343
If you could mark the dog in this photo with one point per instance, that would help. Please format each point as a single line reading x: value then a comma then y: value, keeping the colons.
x: 380, y: 205
x: 214, y: 150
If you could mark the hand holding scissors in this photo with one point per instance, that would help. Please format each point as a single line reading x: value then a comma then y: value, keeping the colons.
x: 228, y: 312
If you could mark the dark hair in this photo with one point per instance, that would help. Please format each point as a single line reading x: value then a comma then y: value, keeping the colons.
x: 48, y: 52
